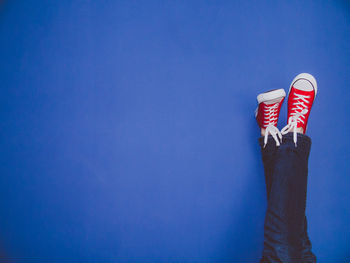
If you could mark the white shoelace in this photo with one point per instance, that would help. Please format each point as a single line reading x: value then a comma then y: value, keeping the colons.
x: 294, y: 119
x: 271, y: 128
x: 274, y: 131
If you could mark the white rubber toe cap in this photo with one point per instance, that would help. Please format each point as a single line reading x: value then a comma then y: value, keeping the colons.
x: 304, y: 81
x: 271, y: 95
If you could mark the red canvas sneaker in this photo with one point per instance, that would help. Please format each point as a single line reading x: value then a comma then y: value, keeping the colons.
x: 302, y: 93
x: 268, y: 111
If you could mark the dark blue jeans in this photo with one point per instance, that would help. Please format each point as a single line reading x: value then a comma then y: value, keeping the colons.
x: 286, y: 169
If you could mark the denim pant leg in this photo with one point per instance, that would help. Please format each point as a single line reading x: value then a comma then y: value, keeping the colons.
x: 285, y: 236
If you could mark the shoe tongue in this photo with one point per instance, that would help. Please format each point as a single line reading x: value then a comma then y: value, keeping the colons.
x: 302, y: 92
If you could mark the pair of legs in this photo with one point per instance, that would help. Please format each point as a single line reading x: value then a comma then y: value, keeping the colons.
x: 285, y: 158
x: 286, y: 170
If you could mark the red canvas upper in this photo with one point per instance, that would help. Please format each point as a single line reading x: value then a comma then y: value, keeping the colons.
x: 268, y: 113
x: 299, y: 101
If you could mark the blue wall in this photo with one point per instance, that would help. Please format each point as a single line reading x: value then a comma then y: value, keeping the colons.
x: 127, y: 129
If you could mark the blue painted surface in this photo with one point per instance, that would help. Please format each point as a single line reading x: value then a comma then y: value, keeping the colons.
x: 127, y: 129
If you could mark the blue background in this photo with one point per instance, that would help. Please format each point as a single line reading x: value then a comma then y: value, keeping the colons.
x: 127, y: 128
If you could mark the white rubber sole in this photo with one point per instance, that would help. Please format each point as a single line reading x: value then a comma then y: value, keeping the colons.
x: 271, y: 95
x: 305, y: 76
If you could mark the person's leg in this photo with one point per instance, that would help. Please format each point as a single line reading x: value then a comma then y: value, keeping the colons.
x: 285, y: 236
